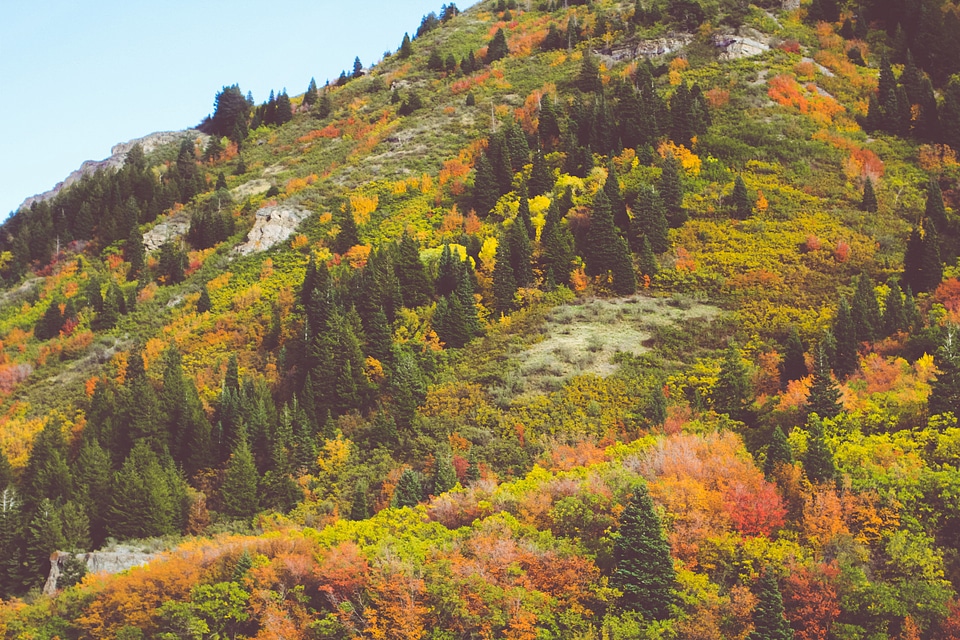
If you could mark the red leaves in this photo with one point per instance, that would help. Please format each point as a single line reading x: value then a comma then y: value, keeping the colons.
x: 811, y: 601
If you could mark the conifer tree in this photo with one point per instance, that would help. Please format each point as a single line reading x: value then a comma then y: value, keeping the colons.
x: 203, y: 302
x: 523, y: 214
x: 818, y: 460
x: 865, y: 310
x: 497, y: 48
x: 922, y: 269
x: 357, y: 68
x: 135, y: 253
x: 681, y: 117
x: 794, y: 365
x: 769, y: 622
x: 486, y: 190
x: 650, y: 222
x: 520, y: 253
x: 869, y: 202
x: 406, y: 47
x: 50, y: 323
x: 409, y: 491
x: 588, y: 80
x: 824, y: 397
x: 611, y: 188
x: 284, y: 109
x: 646, y: 260
x: 516, y: 143
x: 644, y: 569
x: 945, y: 390
x: 778, y: 452
x: 671, y: 192
x: 325, y: 105
x: 144, y: 497
x: 927, y: 127
x: 239, y: 490
x: 740, y: 201
x: 444, y: 476
x: 557, y: 243
x: 449, y: 321
x: 415, y: 285
x: 348, y: 236
x: 935, y: 212
x: 845, y: 359
x: 732, y: 394
x: 360, y: 505
x: 310, y: 97
x: 44, y: 536
x: 541, y: 180
x: 894, y: 317
x: 504, y: 280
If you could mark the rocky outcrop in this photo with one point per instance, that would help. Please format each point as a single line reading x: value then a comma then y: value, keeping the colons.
x: 173, y: 228
x: 791, y: 5
x: 118, y: 155
x: 734, y: 47
x: 645, y: 48
x: 273, y: 225
x: 114, y: 561
x: 250, y: 188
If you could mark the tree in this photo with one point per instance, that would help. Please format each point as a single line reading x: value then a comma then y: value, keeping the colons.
x: 497, y: 48
x: 922, y: 269
x: 671, y: 191
x: 644, y: 569
x: 557, y: 243
x: 778, y: 452
x: 348, y: 236
x: 869, y: 202
x: 894, y: 315
x: 415, y: 285
x: 444, y: 476
x: 486, y: 190
x: 769, y: 622
x: 732, y: 394
x: 611, y: 188
x: 818, y: 460
x: 50, y: 323
x: 171, y: 263
x: 541, y: 179
x: 406, y: 48
x: 650, y: 222
x: 588, y: 80
x: 824, y: 398
x: 936, y: 212
x: 239, y: 491
x: 409, y: 490
x: 520, y: 252
x: 740, y: 201
x: 504, y: 279
x: 203, y: 302
x: 865, y: 310
x: 229, y: 115
x: 846, y: 359
x: 601, y: 242
x: 794, y: 365
x: 310, y: 97
x: 145, y: 497
x: 357, y: 68
x: 945, y: 390
x: 646, y: 260
x: 135, y: 253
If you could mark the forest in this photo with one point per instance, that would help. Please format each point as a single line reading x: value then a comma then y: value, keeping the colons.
x: 572, y: 342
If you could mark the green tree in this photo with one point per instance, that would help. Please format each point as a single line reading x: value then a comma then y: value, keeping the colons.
x: 520, y: 253
x: 945, y: 390
x: 556, y: 241
x: 869, y: 202
x: 650, y: 222
x: 588, y: 80
x: 865, y: 310
x: 310, y: 97
x: 611, y: 188
x: 444, y: 475
x: 541, y: 179
x: 818, y: 460
x: 824, y: 398
x: 144, y: 497
x: 348, y: 236
x: 497, y: 48
x: 601, y: 244
x: 409, y: 491
x: 733, y: 394
x: 846, y: 359
x: 203, y: 302
x: 922, y: 269
x: 406, y: 47
x: 894, y: 315
x: 486, y: 190
x: 415, y: 286
x: 50, y: 323
x: 671, y: 192
x: 646, y: 260
x: 778, y: 452
x: 239, y: 490
x: 644, y: 569
x: 740, y: 201
x: 769, y: 621
x: 504, y: 279
x: 936, y: 212
x: 794, y: 365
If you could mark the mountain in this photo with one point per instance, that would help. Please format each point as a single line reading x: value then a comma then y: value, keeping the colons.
x: 564, y: 320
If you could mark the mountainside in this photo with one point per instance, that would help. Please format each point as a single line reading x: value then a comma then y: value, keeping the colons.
x: 565, y: 320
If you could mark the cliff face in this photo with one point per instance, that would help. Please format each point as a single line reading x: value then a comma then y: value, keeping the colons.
x: 115, y: 561
x: 118, y: 155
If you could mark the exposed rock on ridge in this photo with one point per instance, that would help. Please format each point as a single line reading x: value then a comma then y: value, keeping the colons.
x: 273, y: 224
x: 121, y: 559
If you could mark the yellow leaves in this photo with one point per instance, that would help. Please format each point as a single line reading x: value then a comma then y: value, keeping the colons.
x: 362, y: 206
x: 266, y: 269
x: 299, y: 242
x: 219, y: 282
x: 488, y: 254
x: 247, y: 298
x: 152, y: 351
x: 333, y: 455
x: 690, y: 162
x: 299, y: 184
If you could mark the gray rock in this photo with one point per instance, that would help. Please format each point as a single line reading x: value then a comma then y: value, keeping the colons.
x: 173, y: 228
x: 273, y: 225
x: 645, y: 48
x: 120, y: 559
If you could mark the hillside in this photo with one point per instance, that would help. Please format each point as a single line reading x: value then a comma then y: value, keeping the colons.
x: 564, y: 320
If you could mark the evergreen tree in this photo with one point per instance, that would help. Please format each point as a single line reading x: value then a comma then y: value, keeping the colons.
x: 894, y: 317
x: 818, y: 460
x: 357, y: 68
x: 646, y: 260
x: 497, y: 48
x: 588, y: 79
x: 769, y: 622
x: 927, y: 127
x: 435, y: 62
x: 824, y: 397
x: 444, y: 476
x: 406, y: 47
x: 601, y: 241
x: 93, y: 477
x: 846, y: 359
x: 869, y: 202
x: 520, y: 253
x: 409, y: 491
x: 671, y: 192
x: 239, y: 490
x: 310, y: 97
x: 778, y: 452
x: 504, y: 280
x: 523, y: 214
x: 144, y: 497
x: 650, y: 222
x: 740, y: 201
x: 794, y: 365
x: 449, y: 321
x: 135, y: 253
x: 50, y: 323
x: 325, y: 105
x: 922, y: 269
x: 448, y: 272
x: 203, y: 302
x: 936, y: 212
x: 644, y: 569
x: 516, y: 143
x: 681, y: 116
x: 486, y: 190
x: 865, y: 310
x: 611, y: 188
x: 732, y: 394
x: 557, y: 243
x: 415, y: 285
x: 44, y: 535
x: 348, y: 236
x: 360, y: 505
x: 541, y: 179
x: 945, y: 390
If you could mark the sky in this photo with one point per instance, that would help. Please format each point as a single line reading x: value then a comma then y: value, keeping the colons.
x: 76, y: 78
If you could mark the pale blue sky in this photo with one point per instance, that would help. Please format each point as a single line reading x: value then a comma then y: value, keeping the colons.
x: 78, y: 77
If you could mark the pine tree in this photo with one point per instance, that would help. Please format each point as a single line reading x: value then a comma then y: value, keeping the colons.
x: 740, y: 201
x: 557, y: 243
x: 239, y: 490
x: 794, y: 365
x: 409, y: 491
x: 44, y: 535
x: 520, y: 253
x: 357, y: 68
x: 588, y: 80
x: 778, y: 452
x: 646, y: 260
x: 945, y: 390
x: 50, y: 323
x: 541, y: 179
x: 348, y: 236
x: 846, y: 359
x: 516, y: 143
x: 497, y: 48
x: 650, y: 222
x: 824, y: 397
x: 444, y: 476
x: 203, y: 302
x: 450, y: 323
x: 681, y: 117
x: 406, y: 48
x: 415, y: 285
x: 523, y: 214
x: 310, y: 97
x: 644, y: 569
x: 865, y: 310
x: 732, y: 394
x: 894, y: 317
x: 935, y: 212
x: 922, y: 269
x: 869, y: 202
x: 144, y: 497
x: 611, y: 188
x: 818, y: 460
x: 135, y: 253
x: 504, y: 280
x: 769, y: 622
x: 671, y: 192
x: 486, y: 190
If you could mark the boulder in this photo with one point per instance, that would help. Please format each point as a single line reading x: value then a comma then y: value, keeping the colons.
x: 114, y: 561
x: 273, y: 224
